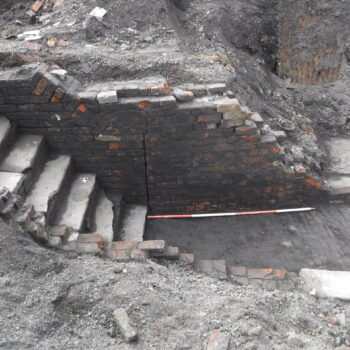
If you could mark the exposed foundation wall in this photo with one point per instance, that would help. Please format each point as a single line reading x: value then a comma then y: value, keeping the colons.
x: 207, y: 154
x: 312, y: 39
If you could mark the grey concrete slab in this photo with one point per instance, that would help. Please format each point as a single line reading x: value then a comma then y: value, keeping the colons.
x: 5, y: 127
x: 12, y: 181
x: 49, y: 182
x: 22, y: 154
x: 339, y: 185
x: 133, y: 223
x: 74, y: 207
x: 104, y: 216
x: 340, y: 155
x: 328, y: 284
x: 318, y: 239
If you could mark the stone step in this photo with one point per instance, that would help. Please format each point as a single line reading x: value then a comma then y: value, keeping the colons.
x: 74, y: 211
x: 26, y: 156
x: 104, y: 216
x: 12, y: 181
x: 22, y: 154
x: 133, y: 223
x: 46, y: 194
x: 213, y: 268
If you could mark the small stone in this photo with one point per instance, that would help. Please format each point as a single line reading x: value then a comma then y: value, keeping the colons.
x: 55, y: 241
x: 295, y: 340
x: 51, y: 41
x: 255, y: 332
x: 63, y: 43
x: 182, y: 95
x: 98, y: 13
x: 218, y: 341
x: 122, y: 319
x: 105, y: 97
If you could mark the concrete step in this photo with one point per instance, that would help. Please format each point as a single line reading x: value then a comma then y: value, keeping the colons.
x: 75, y: 209
x: 133, y: 223
x: 46, y: 193
x: 26, y: 156
x: 12, y: 181
x: 104, y: 216
x: 23, y: 153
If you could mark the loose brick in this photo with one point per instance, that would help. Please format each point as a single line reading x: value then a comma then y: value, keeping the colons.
x: 260, y: 273
x: 155, y: 246
x: 57, y: 96
x: 124, y: 324
x: 187, y: 258
x: 37, y: 6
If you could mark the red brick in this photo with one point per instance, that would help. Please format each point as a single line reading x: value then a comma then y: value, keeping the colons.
x: 187, y: 258
x: 157, y: 245
x: 144, y: 104
x: 260, y: 273
x: 279, y: 274
x: 82, y: 108
x: 120, y: 245
x: 59, y: 93
x: 114, y: 146
x: 41, y: 86
x: 37, y: 6
x: 34, y: 46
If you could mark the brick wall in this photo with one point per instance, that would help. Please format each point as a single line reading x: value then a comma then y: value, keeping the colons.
x: 206, y: 154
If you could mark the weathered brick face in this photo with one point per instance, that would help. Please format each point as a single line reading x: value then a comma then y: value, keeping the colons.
x: 204, y: 155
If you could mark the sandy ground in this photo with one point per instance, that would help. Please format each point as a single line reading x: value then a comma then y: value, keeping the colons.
x: 51, y: 300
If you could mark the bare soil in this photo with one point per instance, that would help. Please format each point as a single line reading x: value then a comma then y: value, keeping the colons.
x: 50, y: 300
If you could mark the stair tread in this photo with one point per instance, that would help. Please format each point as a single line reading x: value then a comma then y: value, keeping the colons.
x: 11, y: 181
x: 73, y: 210
x: 5, y: 127
x: 49, y: 182
x: 104, y: 216
x: 133, y: 223
x: 22, y: 154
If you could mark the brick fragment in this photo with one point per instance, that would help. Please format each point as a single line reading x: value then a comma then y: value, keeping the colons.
x: 124, y: 324
x: 187, y: 258
x: 58, y: 4
x: 57, y: 96
x: 37, y: 6
x: 218, y: 341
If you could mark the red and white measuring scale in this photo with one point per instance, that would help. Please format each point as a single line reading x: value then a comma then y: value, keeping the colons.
x: 211, y: 215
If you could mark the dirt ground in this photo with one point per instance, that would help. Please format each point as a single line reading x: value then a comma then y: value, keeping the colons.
x: 317, y: 239
x: 50, y: 300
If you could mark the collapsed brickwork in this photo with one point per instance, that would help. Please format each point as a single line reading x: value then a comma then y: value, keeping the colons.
x: 312, y: 40
x: 209, y: 153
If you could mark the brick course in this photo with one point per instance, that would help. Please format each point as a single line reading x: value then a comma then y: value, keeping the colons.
x: 180, y: 157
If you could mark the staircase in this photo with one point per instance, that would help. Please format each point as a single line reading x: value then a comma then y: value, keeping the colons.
x: 63, y: 196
